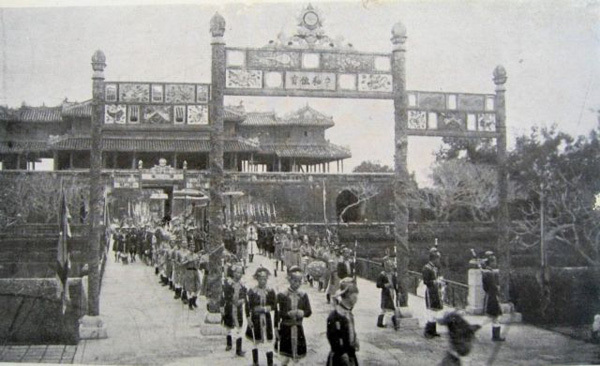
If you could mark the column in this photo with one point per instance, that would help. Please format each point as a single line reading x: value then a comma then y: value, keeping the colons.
x: 278, y: 164
x: 96, y: 187
x: 70, y: 160
x: 401, y: 177
x: 217, y: 30
x: 502, y: 246
x: 175, y: 160
x: 133, y: 159
x: 55, y: 160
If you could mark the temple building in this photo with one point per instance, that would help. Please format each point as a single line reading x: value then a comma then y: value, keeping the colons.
x: 138, y: 136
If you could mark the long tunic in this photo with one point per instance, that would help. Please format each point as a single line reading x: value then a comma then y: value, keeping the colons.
x: 341, y: 335
x: 258, y: 311
x: 233, y: 316
x: 490, y: 282
x: 433, y: 296
x: 345, y: 269
x: 292, y: 342
x: 388, y: 294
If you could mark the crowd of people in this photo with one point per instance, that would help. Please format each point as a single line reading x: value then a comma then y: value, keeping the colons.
x: 273, y: 322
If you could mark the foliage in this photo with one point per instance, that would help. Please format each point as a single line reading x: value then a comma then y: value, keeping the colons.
x: 461, y: 191
x: 560, y: 178
x: 34, y: 199
x: 372, y: 167
x: 476, y: 151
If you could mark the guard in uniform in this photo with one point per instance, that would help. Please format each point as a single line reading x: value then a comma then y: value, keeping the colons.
x: 341, y: 332
x: 433, y: 295
x: 292, y: 307
x: 232, y: 308
x: 251, y: 238
x: 388, y: 282
x: 489, y: 278
x: 262, y: 300
x: 345, y: 267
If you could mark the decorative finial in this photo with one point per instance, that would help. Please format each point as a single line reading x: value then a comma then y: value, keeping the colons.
x: 184, y: 164
x: 217, y: 25
x: 398, y: 34
x: 98, y: 61
x: 500, y: 75
x: 140, y: 164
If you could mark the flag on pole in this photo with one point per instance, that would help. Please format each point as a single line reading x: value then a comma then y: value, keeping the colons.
x: 269, y: 212
x: 63, y: 262
x: 274, y: 212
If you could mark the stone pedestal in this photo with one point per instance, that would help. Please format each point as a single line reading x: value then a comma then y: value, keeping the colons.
x: 212, y: 325
x: 92, y: 327
x: 476, y: 295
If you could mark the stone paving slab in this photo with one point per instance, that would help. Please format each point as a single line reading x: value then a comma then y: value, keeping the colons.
x: 147, y: 327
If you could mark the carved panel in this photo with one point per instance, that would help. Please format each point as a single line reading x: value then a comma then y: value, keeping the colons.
x: 260, y: 59
x: 157, y: 114
x: 471, y: 103
x: 310, y: 80
x: 111, y: 93
x: 451, y: 121
x: 486, y: 122
x: 179, y: 114
x: 115, y: 113
x: 344, y: 62
x: 179, y: 93
x: 251, y: 79
x: 431, y: 101
x: 158, y: 95
x: 375, y: 82
x: 197, y: 115
x: 134, y: 93
x: 417, y: 120
x: 202, y: 93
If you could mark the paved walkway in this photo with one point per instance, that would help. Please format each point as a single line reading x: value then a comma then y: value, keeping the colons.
x: 38, y: 354
x: 146, y: 326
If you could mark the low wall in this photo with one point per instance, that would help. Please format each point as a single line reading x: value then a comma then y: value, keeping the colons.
x: 31, y: 311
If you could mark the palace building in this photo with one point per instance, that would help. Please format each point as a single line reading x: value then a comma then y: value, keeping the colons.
x: 138, y: 136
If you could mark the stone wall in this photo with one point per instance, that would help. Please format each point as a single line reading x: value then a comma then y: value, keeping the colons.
x: 31, y: 311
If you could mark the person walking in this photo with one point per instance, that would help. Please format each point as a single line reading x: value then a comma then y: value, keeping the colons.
x: 490, y: 281
x: 433, y: 295
x: 341, y: 331
x: 262, y: 301
x: 232, y: 308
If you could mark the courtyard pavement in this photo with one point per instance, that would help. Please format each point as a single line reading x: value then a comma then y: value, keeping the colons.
x: 146, y: 326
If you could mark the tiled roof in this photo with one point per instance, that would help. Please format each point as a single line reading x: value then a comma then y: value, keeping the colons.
x: 261, y: 119
x: 308, y: 116
x: 83, y: 109
x: 153, y: 144
x: 329, y: 151
x: 305, y: 116
x: 22, y: 146
x: 234, y: 114
x: 35, y: 114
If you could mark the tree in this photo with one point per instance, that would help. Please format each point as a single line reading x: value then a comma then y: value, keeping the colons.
x: 461, y: 191
x: 372, y: 167
x: 559, y: 178
x: 476, y: 151
x: 361, y: 192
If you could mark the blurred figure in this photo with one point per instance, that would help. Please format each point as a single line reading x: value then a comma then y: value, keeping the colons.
x: 341, y: 332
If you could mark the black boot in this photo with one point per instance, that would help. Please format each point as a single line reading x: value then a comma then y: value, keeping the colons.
x: 184, y: 297
x: 328, y: 298
x: 275, y: 272
x: 238, y: 348
x: 228, y: 348
x: 171, y: 285
x: 156, y: 270
x: 395, y: 322
x: 310, y: 281
x: 177, y: 293
x: 251, y: 257
x: 191, y: 303
x: 194, y: 304
x: 269, y: 358
x: 380, y: 321
x: 255, y: 357
x: 496, y: 334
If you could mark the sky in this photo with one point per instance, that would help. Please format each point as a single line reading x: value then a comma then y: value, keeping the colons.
x: 550, y: 49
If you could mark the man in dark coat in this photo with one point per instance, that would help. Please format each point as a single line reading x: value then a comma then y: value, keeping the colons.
x: 262, y: 300
x: 232, y: 308
x: 345, y: 268
x: 388, y: 282
x: 433, y: 295
x: 341, y: 332
x: 489, y: 278
x: 292, y: 307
